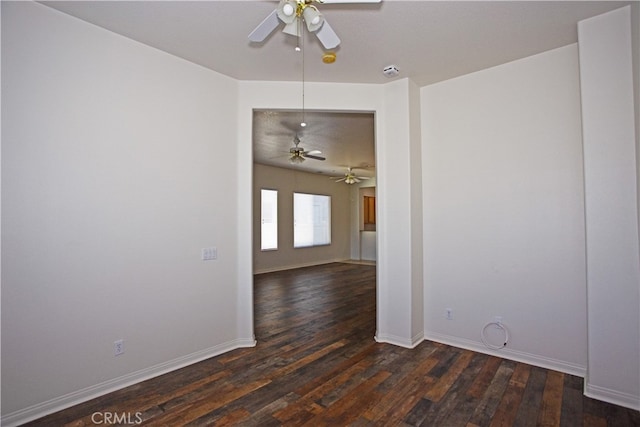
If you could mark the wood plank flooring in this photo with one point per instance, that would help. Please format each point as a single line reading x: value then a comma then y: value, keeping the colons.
x: 316, y: 364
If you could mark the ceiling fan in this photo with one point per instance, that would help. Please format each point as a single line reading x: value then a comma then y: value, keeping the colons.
x: 349, y: 177
x: 298, y: 154
x: 293, y: 12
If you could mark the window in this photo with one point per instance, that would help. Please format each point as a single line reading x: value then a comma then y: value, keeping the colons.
x: 268, y: 220
x: 311, y: 220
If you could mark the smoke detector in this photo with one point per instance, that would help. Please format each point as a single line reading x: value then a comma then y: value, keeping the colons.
x: 390, y: 71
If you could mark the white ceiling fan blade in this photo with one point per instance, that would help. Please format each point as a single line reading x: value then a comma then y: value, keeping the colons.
x: 313, y: 152
x: 327, y: 36
x: 265, y: 28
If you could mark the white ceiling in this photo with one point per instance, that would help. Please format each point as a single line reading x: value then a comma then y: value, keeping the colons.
x: 428, y: 41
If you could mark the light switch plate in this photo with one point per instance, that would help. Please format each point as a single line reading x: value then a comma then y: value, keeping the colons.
x: 210, y: 253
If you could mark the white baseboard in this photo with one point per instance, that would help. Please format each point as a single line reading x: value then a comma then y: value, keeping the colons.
x: 507, y: 353
x: 612, y: 396
x: 400, y: 341
x: 59, y: 403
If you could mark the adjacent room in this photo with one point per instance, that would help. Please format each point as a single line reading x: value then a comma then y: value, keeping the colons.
x: 471, y: 167
x: 337, y: 161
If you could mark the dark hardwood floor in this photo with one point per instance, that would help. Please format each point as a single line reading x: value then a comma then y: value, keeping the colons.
x: 316, y: 364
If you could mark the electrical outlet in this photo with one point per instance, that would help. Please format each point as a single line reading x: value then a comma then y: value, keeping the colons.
x: 118, y: 347
x: 448, y: 313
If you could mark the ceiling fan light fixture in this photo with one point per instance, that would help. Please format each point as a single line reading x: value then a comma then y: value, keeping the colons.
x: 295, y: 11
x: 313, y: 18
x: 292, y: 28
x: 296, y: 159
x: 350, y: 177
x: 287, y: 11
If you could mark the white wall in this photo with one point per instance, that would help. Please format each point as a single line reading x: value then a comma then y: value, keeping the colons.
x: 416, y: 198
x: 116, y: 160
x: 288, y: 181
x: 503, y: 209
x: 613, y: 258
x: 396, y: 198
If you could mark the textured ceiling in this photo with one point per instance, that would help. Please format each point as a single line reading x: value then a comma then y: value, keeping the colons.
x: 345, y: 139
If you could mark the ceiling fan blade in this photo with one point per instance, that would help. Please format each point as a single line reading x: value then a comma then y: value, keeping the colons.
x: 327, y: 36
x: 312, y: 152
x: 341, y: 179
x: 265, y: 28
x: 314, y: 157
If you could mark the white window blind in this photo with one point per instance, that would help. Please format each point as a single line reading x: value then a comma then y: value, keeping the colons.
x: 311, y: 220
x: 268, y: 220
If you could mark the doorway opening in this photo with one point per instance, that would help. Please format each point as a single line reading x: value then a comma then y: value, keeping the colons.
x: 334, y: 157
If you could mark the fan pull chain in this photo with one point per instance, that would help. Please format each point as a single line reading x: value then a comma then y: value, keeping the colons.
x: 301, y: 32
